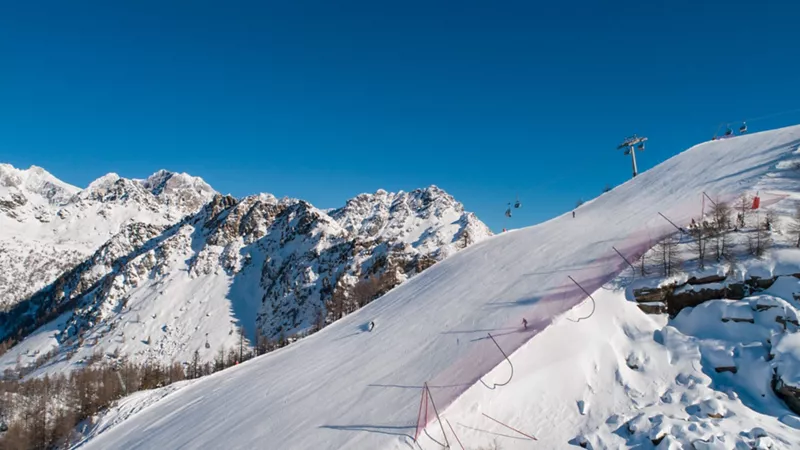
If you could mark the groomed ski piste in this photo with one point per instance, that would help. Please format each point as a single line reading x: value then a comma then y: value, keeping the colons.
x: 349, y: 388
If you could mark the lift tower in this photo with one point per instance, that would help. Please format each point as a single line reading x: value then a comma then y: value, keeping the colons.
x: 632, y: 145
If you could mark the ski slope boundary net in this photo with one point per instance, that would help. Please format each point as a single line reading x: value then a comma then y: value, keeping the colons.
x: 485, y: 355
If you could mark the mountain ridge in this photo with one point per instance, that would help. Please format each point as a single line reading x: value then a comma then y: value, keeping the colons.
x: 48, y: 226
x: 277, y: 267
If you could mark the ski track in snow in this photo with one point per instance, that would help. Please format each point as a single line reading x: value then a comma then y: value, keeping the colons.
x: 343, y: 388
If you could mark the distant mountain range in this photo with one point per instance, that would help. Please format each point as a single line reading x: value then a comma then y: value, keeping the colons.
x: 161, y: 267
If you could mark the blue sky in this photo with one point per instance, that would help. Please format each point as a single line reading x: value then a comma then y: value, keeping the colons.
x: 323, y: 100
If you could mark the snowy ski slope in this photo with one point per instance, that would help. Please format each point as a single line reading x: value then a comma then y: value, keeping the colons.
x: 346, y: 387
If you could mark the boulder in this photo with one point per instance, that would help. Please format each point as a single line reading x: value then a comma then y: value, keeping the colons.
x: 692, y: 298
x: 789, y: 394
x: 653, y: 308
x: 707, y: 280
x: 761, y: 283
x: 783, y: 321
x: 646, y: 295
x: 738, y: 319
x: 731, y: 369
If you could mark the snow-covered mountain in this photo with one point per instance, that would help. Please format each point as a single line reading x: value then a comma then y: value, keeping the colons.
x: 429, y: 220
x: 24, y: 192
x: 48, y: 226
x: 274, y: 267
x: 592, y: 374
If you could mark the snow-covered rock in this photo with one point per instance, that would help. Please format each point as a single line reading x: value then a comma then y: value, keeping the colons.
x: 30, y: 192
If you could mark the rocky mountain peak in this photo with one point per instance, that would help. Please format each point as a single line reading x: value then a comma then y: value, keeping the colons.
x: 430, y: 200
x: 103, y: 182
x: 177, y: 186
x: 34, y: 182
x: 179, y: 192
x: 395, y: 217
x: 48, y: 226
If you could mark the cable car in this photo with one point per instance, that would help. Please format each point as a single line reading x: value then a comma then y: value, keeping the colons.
x: 640, y: 147
x: 508, y: 211
x: 743, y: 128
x: 728, y: 132
x: 518, y: 204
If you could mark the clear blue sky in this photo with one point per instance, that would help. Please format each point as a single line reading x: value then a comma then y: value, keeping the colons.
x: 323, y: 100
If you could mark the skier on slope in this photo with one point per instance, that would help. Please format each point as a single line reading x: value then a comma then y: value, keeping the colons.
x: 524, y: 323
x: 573, y: 214
x: 370, y: 326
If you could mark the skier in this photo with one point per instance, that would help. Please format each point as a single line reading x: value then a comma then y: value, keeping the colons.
x: 524, y: 323
x: 573, y: 214
x: 370, y: 326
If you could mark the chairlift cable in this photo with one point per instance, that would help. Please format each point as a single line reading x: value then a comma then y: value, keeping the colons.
x: 755, y: 119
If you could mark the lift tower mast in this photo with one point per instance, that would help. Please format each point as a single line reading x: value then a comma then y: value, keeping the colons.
x: 632, y: 145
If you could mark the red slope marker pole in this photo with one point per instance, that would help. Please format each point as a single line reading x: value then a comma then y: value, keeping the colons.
x: 511, y: 428
x: 419, y: 414
x: 425, y: 417
x: 673, y: 224
x: 454, y: 434
x: 433, y: 404
x: 710, y: 199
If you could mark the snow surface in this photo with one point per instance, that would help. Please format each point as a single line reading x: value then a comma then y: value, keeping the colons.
x: 617, y: 380
x: 345, y: 388
x: 787, y: 357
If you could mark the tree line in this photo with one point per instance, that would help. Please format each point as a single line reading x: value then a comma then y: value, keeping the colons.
x: 712, y: 240
x: 43, y: 413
